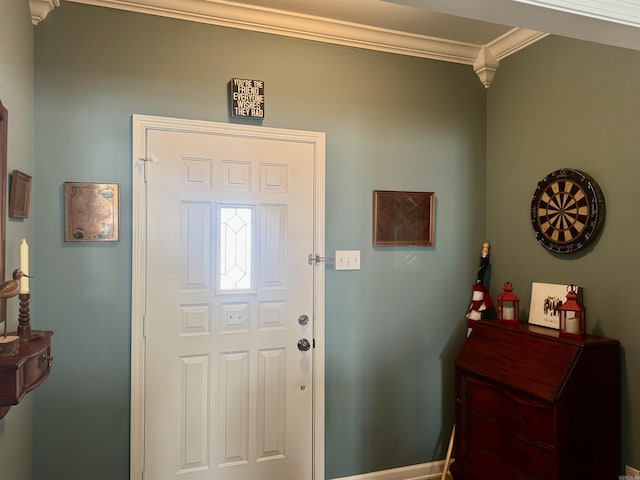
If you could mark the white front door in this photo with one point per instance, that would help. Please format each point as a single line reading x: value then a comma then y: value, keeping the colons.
x: 231, y: 216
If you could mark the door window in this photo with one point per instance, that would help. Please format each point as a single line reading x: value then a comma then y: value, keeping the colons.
x: 235, y: 232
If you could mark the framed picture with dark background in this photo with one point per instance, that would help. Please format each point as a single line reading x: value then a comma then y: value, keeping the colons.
x: 20, y: 195
x: 403, y: 218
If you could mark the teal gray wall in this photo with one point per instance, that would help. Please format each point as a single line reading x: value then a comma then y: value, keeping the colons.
x: 392, y: 122
x: 565, y: 103
x: 16, y: 94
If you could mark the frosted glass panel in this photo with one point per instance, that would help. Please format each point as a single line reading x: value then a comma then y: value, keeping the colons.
x: 235, y: 248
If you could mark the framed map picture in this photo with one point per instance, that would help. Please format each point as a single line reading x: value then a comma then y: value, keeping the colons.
x: 91, y: 212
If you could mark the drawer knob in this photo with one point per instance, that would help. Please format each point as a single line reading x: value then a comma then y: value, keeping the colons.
x: 526, y: 458
x: 47, y: 358
x: 523, y: 420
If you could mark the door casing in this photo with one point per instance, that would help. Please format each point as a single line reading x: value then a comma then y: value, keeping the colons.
x: 141, y: 125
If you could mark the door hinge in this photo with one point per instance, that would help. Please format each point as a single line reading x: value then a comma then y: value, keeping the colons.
x: 146, y: 161
x: 145, y: 326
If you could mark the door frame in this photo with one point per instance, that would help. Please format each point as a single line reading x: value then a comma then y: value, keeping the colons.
x: 141, y: 125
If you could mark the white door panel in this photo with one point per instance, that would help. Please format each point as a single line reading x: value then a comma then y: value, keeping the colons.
x: 228, y: 394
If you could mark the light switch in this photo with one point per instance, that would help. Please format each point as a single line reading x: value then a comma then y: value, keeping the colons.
x: 347, y: 259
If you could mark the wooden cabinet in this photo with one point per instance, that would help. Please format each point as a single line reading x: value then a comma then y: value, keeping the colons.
x: 531, y: 405
x: 21, y: 373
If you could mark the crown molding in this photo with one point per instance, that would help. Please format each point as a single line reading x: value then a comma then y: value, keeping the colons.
x: 41, y: 8
x: 260, y: 19
x: 277, y: 22
x: 488, y: 59
x: 513, y: 41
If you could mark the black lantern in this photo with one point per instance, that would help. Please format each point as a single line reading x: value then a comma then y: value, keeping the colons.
x: 573, y: 320
x: 508, y: 306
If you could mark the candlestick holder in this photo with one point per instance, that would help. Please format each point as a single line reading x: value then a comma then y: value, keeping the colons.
x: 24, y: 314
x: 24, y: 319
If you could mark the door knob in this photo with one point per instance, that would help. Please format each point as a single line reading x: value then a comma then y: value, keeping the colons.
x: 303, y: 319
x: 303, y: 345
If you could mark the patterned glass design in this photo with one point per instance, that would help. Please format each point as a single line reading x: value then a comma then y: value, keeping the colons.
x: 235, y: 247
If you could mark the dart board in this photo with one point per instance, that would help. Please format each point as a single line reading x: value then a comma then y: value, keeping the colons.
x: 567, y: 210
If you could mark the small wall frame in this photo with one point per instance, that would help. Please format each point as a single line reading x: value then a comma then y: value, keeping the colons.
x: 20, y: 195
x: 91, y: 212
x: 403, y: 218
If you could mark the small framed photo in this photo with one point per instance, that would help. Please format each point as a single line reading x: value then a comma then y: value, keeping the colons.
x: 545, y: 300
x: 20, y: 195
x: 91, y: 212
x: 403, y: 218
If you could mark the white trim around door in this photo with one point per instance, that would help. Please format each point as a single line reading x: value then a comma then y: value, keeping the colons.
x: 142, y: 124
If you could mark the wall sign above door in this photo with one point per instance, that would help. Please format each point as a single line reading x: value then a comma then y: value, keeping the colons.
x: 247, y: 98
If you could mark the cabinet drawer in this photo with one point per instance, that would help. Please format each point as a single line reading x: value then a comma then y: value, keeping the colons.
x: 523, y: 415
x: 515, y: 459
x: 485, y: 433
x: 534, y: 422
x: 535, y: 461
x: 482, y: 464
x: 36, y: 368
x: 481, y: 398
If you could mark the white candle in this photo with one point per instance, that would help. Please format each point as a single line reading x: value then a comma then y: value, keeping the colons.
x: 571, y: 324
x: 508, y: 313
x: 24, y: 266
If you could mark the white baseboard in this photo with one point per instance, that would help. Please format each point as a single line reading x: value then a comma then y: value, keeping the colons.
x: 423, y: 471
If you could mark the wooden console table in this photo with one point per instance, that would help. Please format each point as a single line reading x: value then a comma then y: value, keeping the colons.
x: 21, y: 373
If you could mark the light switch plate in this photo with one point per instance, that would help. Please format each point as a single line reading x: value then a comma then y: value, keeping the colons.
x: 347, y: 259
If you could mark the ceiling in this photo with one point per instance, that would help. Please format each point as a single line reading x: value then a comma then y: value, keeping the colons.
x: 479, y: 33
